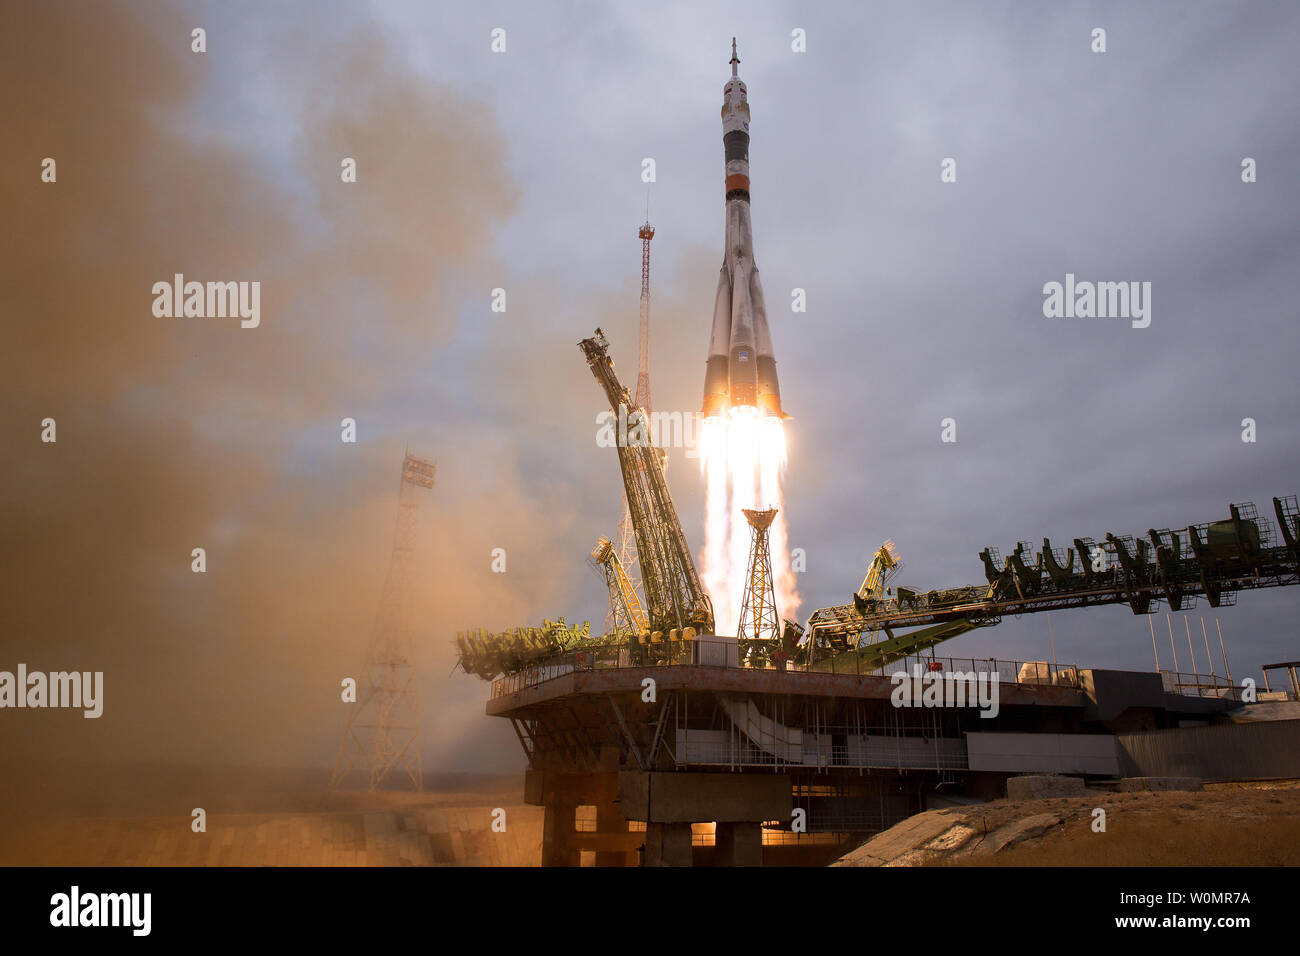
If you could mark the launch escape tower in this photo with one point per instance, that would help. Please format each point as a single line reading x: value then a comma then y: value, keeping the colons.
x: 382, y: 737
x: 627, y: 554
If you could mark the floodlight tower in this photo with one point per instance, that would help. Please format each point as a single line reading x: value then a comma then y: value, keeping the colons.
x: 382, y: 737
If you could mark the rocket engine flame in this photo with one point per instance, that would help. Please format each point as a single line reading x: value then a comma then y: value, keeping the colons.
x: 743, y: 458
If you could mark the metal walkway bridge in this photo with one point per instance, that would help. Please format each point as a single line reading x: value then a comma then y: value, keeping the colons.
x: 1215, y: 560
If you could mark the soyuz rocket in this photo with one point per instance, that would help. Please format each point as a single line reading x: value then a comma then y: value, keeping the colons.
x: 741, y: 370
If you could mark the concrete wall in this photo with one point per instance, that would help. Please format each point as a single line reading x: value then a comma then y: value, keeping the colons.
x: 725, y: 747
x: 1216, y: 752
x: 704, y: 797
x: 1110, y: 693
x: 1043, y: 753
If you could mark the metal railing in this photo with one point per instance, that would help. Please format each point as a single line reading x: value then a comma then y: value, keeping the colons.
x: 530, y: 677
x: 1199, y: 685
x: 847, y: 747
x: 700, y: 652
x: 752, y: 655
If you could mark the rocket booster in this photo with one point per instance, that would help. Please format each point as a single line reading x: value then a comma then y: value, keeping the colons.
x: 741, y: 370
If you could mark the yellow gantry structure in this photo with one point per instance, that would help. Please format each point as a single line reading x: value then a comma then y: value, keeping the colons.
x: 628, y: 614
x: 675, y: 599
x: 883, y: 566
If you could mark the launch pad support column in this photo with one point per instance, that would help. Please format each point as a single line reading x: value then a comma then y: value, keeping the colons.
x: 558, y: 847
x: 670, y: 802
x: 668, y: 844
x: 610, y: 822
x: 740, y: 844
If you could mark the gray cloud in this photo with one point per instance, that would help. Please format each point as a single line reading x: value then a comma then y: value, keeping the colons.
x: 522, y: 171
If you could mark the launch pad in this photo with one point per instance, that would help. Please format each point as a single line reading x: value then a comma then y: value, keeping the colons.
x: 659, y: 756
x: 664, y: 742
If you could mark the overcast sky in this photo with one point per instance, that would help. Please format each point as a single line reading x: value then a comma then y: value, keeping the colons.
x: 522, y: 170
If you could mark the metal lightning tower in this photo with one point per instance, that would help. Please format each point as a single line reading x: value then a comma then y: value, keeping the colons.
x: 758, y: 619
x: 627, y: 555
x: 382, y: 737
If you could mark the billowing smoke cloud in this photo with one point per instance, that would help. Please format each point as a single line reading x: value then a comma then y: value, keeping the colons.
x: 180, y: 433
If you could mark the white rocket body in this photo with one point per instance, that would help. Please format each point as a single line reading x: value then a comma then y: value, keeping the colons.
x: 741, y: 369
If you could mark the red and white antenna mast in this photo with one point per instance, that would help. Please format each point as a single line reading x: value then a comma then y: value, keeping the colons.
x: 643, y: 362
x: 627, y: 553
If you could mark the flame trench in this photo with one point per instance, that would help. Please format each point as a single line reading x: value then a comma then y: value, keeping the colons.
x: 743, y: 458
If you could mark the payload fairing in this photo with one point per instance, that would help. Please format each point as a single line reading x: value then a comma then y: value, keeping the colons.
x: 741, y: 369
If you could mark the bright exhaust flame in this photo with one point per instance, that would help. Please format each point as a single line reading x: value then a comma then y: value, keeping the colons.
x: 743, y: 459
